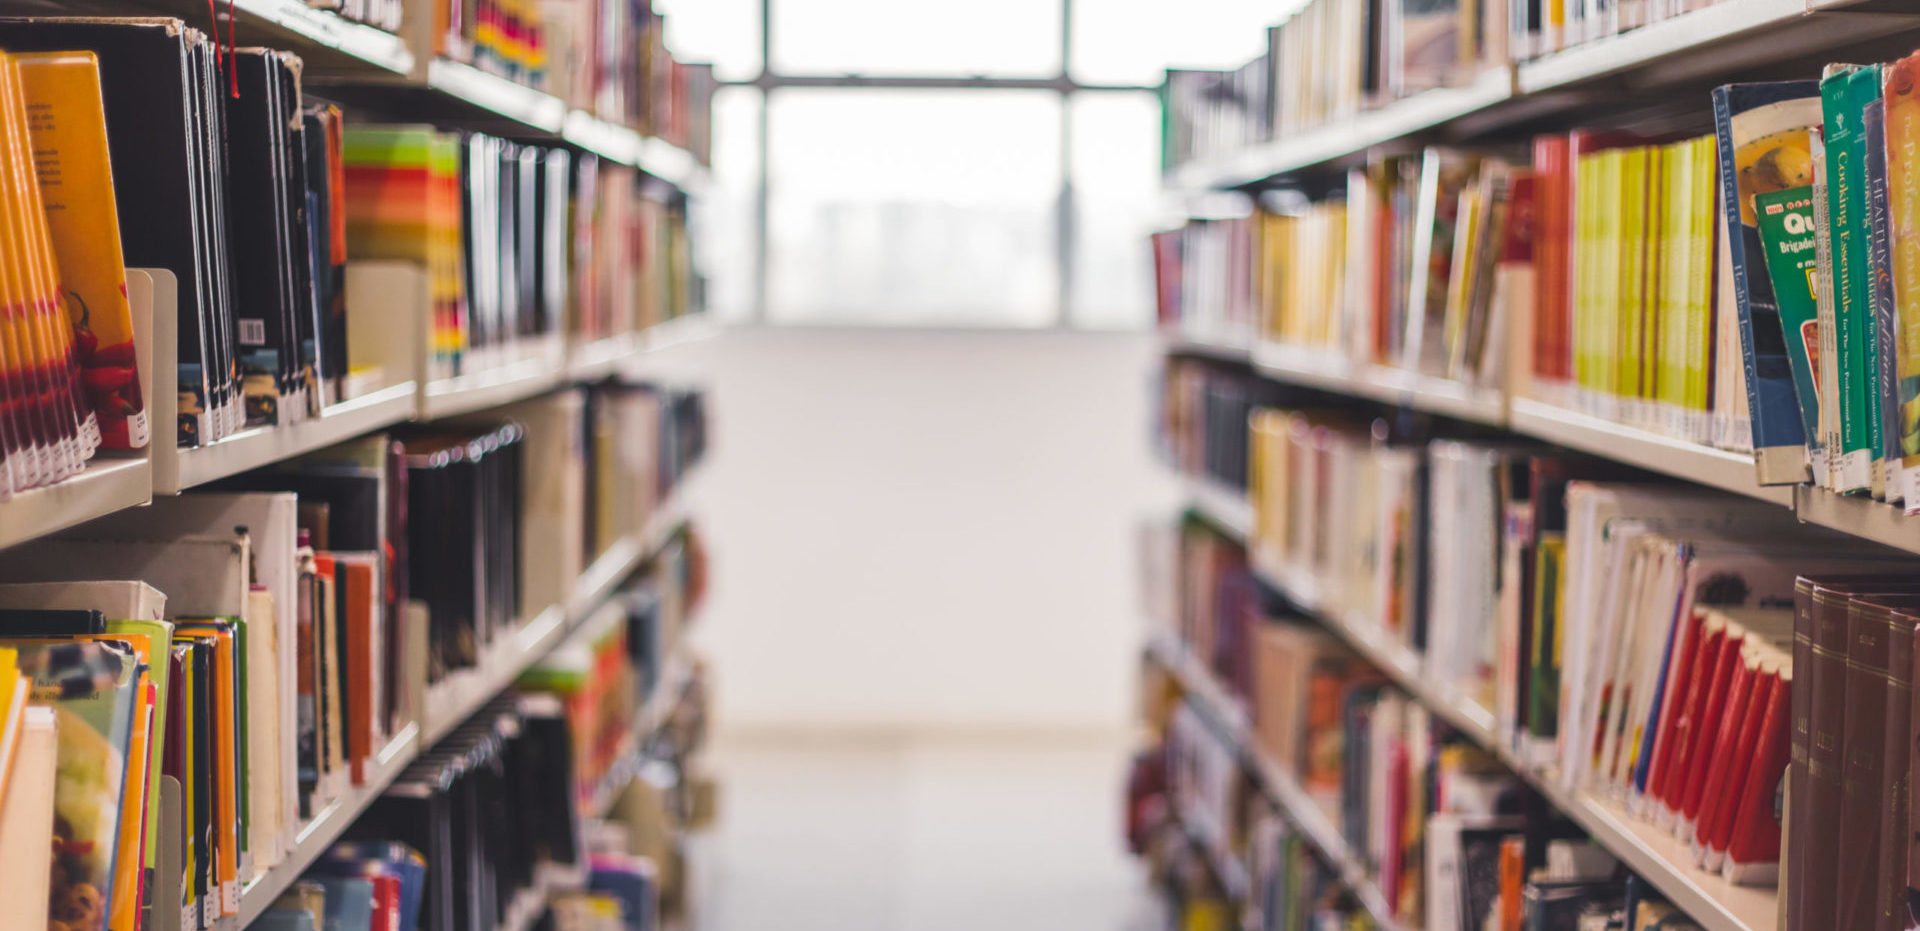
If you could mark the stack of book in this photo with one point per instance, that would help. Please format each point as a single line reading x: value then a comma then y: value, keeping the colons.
x: 1200, y: 426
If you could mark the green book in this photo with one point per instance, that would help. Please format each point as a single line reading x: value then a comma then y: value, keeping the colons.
x: 1844, y: 93
x: 1787, y: 233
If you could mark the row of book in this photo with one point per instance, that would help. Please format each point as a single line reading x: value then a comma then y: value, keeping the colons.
x: 286, y: 626
x: 1440, y: 830
x: 606, y: 57
x: 1467, y: 556
x: 1200, y: 419
x: 269, y: 233
x: 1600, y: 267
x: 1331, y: 60
x: 486, y: 830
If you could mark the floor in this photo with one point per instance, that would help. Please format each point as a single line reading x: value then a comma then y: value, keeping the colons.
x: 918, y: 833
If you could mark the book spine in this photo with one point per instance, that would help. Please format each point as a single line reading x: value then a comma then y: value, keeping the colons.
x: 1891, y: 887
x: 1845, y: 233
x: 1901, y: 104
x: 1863, y: 732
x: 1886, y: 399
x: 1826, y: 357
x: 1753, y: 844
x: 1739, y: 745
x: 1778, y: 439
x: 1706, y: 732
x: 1818, y: 890
x: 1799, y: 746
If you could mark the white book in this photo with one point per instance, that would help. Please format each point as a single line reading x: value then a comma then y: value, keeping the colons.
x: 26, y: 823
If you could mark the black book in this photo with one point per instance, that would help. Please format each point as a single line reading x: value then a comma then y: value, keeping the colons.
x: 211, y: 84
x: 257, y: 222
x: 150, y: 84
x: 329, y: 281
x: 35, y: 622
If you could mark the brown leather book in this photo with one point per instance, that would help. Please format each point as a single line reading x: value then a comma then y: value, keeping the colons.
x: 1863, y: 748
x: 1896, y: 776
x: 1813, y: 862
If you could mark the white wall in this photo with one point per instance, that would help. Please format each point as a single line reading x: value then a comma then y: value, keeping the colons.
x: 925, y: 528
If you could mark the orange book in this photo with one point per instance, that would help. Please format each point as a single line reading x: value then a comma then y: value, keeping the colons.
x: 68, y: 126
x: 1513, y: 875
x: 358, y: 576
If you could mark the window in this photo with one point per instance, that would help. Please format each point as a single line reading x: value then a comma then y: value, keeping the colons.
x: 938, y: 165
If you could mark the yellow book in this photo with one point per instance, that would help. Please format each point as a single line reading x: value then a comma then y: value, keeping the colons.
x: 67, y: 123
x: 13, y: 702
x: 1698, y: 360
x: 1630, y: 298
x: 1586, y: 269
x: 23, y: 352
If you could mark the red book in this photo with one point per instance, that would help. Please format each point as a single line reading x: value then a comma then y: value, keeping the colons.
x: 1739, y: 746
x: 1721, y: 755
x: 386, y: 902
x: 1706, y: 732
x: 1753, y: 843
x: 1677, y: 711
x: 1552, y: 294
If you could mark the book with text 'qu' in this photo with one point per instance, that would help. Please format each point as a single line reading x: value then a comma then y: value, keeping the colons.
x: 1762, y: 132
x: 1785, y: 221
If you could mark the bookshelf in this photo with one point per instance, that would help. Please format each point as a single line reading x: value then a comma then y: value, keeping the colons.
x: 1325, y: 372
x: 109, y: 484
x: 1702, y: 465
x: 1223, y: 507
x: 1657, y: 856
x: 177, y: 469
x: 1715, y: 40
x: 1299, y: 808
x: 523, y: 105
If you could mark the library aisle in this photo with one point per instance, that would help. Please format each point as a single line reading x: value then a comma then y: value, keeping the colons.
x: 923, y: 832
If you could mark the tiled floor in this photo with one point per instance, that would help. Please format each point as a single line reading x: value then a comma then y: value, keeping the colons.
x: 918, y: 834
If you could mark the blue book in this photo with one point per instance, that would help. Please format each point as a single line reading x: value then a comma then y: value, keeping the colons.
x: 1762, y: 135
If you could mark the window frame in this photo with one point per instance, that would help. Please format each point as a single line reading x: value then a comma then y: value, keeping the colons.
x: 770, y: 81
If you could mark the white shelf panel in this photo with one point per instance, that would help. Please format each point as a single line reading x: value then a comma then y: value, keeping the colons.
x: 514, y: 101
x: 177, y: 469
x: 1224, y: 507
x: 1216, y: 346
x: 489, y: 387
x: 328, y: 824
x: 1717, y: 39
x: 1352, y: 135
x: 1859, y: 516
x: 1325, y: 370
x: 602, y: 357
x: 607, y: 140
x: 672, y: 164
x: 107, y: 485
x: 381, y: 50
x: 1728, y: 471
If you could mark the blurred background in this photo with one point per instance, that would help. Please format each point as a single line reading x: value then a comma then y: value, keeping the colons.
x: 926, y: 234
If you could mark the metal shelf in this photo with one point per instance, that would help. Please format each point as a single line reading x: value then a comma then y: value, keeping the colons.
x: 177, y: 469
x: 1727, y: 471
x: 107, y: 485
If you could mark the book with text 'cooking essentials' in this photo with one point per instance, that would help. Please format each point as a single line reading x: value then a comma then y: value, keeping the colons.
x: 1762, y: 132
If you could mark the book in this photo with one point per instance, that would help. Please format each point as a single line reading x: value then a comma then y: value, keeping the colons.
x: 1845, y: 91
x: 1903, y: 242
x: 1761, y: 130
x: 27, y: 805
